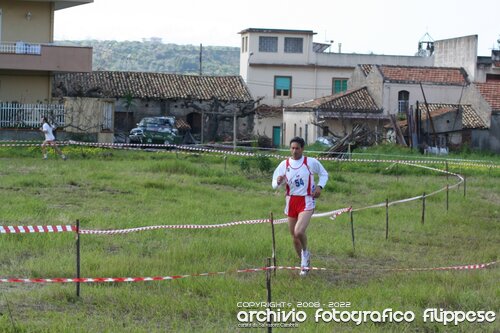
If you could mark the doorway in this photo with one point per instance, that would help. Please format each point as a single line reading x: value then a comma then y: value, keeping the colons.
x: 276, y: 136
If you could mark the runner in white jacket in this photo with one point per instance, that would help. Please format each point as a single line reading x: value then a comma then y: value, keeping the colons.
x: 297, y: 173
x: 50, y: 139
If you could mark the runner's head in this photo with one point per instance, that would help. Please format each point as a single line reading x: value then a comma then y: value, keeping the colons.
x: 297, y: 147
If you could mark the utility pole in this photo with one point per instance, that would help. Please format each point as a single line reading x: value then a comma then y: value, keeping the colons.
x: 201, y: 57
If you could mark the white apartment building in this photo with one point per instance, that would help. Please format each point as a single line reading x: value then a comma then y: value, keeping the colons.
x: 285, y: 67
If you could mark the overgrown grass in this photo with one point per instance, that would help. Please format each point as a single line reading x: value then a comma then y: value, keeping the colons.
x: 121, y: 189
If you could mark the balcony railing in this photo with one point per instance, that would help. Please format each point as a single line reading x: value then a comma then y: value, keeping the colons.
x: 45, y: 57
x: 20, y: 47
x: 15, y: 115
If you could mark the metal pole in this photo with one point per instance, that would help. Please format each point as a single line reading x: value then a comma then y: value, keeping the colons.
x: 423, y: 208
x: 268, y: 286
x: 352, y: 232
x: 386, y: 218
x: 78, y: 257
x: 274, y: 243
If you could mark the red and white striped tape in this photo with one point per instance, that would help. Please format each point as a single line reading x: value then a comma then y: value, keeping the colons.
x: 176, y: 226
x: 475, y: 163
x: 247, y: 270
x: 20, y: 229
x: 134, y: 146
x: 332, y: 214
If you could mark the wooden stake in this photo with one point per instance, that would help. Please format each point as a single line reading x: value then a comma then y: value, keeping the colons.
x: 352, y: 232
x: 465, y: 185
x: 386, y: 218
x: 268, y: 287
x: 447, y: 196
x: 78, y: 257
x: 397, y: 171
x: 447, y: 171
x: 274, y: 243
x: 423, y: 208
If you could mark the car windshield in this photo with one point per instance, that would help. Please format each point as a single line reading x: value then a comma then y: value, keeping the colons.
x: 155, y: 122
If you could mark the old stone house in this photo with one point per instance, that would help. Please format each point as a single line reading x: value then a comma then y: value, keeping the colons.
x: 334, y: 115
x: 212, y: 105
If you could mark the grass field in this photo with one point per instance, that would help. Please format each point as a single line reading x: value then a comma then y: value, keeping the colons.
x: 113, y: 189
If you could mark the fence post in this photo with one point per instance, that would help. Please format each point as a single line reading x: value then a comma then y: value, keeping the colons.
x: 268, y: 287
x: 274, y: 243
x: 78, y: 257
x: 447, y: 196
x: 465, y: 185
x: 225, y: 163
x: 446, y: 170
x: 386, y: 218
x: 423, y: 208
x: 397, y: 171
x: 352, y: 231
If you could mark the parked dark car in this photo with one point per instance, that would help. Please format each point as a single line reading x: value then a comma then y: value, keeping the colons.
x: 155, y: 130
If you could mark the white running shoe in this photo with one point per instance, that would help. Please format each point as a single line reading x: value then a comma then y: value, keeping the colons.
x: 305, y: 262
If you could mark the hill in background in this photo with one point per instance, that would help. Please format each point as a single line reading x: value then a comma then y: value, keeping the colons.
x: 151, y: 55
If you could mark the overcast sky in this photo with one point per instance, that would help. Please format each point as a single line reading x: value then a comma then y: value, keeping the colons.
x: 362, y: 26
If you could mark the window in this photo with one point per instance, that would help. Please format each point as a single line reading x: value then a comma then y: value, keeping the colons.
x: 107, y: 116
x: 282, y: 86
x: 294, y: 129
x: 403, y: 101
x: 339, y: 85
x: 268, y: 44
x: 244, y: 44
x: 306, y: 133
x: 293, y: 45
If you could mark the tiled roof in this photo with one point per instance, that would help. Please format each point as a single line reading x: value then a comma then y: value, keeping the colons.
x: 151, y: 85
x: 470, y: 119
x: 366, y: 68
x: 357, y: 100
x: 491, y: 93
x: 432, y: 75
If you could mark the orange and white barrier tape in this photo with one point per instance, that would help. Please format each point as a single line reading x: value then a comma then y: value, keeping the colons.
x: 248, y: 270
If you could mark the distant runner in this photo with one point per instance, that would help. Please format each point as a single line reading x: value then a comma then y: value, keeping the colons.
x: 50, y: 139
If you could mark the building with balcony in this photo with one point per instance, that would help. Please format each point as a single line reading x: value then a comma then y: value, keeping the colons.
x: 29, y: 59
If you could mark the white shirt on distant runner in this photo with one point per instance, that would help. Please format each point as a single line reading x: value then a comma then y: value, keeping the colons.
x: 47, y: 130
